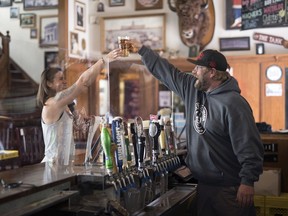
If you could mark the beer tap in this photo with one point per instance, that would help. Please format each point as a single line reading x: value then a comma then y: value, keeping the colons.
x: 169, y: 134
x: 154, y: 132
x: 119, y: 139
x: 162, y: 137
x: 127, y: 145
x: 134, y: 142
x: 106, y: 145
x: 140, y: 140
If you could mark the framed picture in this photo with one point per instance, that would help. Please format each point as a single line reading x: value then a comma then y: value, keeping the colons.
x: 27, y: 20
x: 5, y: 3
x: 33, y: 33
x: 51, y: 59
x: 40, y: 4
x: 234, y: 44
x: 80, y: 14
x: 233, y: 14
x: 17, y: 1
x: 113, y: 3
x: 147, y: 29
x: 48, y: 31
x: 148, y: 5
x: 74, y: 43
x: 260, y: 49
x: 14, y: 12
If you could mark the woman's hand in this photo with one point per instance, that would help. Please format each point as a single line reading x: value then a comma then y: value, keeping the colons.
x: 113, y: 55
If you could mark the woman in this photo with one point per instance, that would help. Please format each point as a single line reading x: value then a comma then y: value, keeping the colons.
x: 54, y: 96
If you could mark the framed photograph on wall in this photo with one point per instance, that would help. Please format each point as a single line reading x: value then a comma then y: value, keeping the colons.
x: 17, y: 1
x: 234, y: 44
x: 14, y: 12
x: 260, y: 49
x: 233, y: 14
x: 51, y: 59
x: 113, y: 3
x: 39, y: 4
x: 28, y: 20
x: 74, y: 43
x: 147, y: 29
x: 148, y: 5
x: 48, y: 35
x: 5, y: 3
x: 33, y: 33
x: 80, y: 14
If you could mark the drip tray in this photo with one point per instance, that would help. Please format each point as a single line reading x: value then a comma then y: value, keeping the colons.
x: 178, y: 200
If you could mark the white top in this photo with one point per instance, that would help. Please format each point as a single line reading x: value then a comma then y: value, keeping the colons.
x: 58, y: 139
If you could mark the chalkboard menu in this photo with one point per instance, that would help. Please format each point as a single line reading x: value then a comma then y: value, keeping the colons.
x: 264, y: 14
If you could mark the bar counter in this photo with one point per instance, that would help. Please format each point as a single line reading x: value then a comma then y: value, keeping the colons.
x: 32, y: 189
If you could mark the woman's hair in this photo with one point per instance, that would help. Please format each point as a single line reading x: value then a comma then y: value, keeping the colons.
x: 44, y: 91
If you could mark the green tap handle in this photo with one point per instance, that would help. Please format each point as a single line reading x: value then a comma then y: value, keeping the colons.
x: 106, y: 145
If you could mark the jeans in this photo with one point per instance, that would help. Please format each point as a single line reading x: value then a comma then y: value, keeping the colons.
x: 220, y: 201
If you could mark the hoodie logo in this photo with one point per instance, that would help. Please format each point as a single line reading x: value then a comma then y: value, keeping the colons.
x: 199, y: 118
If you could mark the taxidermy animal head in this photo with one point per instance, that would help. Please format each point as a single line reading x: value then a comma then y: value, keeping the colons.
x: 196, y: 21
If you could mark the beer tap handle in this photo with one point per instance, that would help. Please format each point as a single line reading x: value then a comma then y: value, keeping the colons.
x: 106, y: 145
x: 134, y: 142
x: 154, y: 132
x: 141, y: 141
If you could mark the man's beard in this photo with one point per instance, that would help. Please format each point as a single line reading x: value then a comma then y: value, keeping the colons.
x: 201, y: 85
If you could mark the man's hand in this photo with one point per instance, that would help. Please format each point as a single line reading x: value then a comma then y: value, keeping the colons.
x: 134, y: 46
x: 245, y: 195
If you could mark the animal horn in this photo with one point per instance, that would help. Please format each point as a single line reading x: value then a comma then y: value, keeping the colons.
x: 171, y: 6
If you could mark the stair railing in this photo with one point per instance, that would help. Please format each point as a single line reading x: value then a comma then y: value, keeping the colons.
x: 4, y: 64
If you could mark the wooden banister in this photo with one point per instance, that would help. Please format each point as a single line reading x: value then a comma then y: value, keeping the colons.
x: 4, y: 65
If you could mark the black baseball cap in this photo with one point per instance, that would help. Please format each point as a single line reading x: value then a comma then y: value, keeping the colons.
x: 211, y: 58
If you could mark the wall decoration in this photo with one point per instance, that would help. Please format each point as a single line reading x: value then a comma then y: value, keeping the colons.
x: 260, y: 49
x: 40, y: 4
x: 274, y: 73
x: 51, y: 59
x: 273, y: 39
x: 14, y: 12
x: 33, y: 33
x: 18, y: 1
x: 147, y: 29
x: 5, y: 3
x: 234, y: 44
x: 80, y: 14
x: 113, y: 3
x: 74, y: 43
x: 264, y: 14
x: 233, y: 14
x: 148, y: 4
x: 100, y: 7
x: 48, y: 31
x: 28, y: 20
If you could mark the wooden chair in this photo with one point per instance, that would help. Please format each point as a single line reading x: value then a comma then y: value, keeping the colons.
x: 31, y: 144
x: 8, y: 142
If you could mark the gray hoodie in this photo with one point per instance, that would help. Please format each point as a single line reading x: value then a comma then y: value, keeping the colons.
x: 223, y: 142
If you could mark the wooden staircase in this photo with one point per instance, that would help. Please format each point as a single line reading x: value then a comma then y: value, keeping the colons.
x: 18, y: 110
x: 18, y: 91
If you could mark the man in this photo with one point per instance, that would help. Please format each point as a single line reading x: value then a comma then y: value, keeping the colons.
x: 225, y: 152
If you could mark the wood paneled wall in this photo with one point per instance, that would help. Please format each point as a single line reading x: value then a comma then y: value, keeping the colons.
x: 250, y: 71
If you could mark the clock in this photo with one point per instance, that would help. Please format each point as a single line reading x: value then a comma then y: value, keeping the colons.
x: 274, y: 73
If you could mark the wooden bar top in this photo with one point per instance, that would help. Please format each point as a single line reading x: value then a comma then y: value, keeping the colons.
x: 274, y: 136
x: 41, y: 176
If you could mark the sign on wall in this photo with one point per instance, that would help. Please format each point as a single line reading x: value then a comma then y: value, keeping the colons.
x: 264, y: 14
